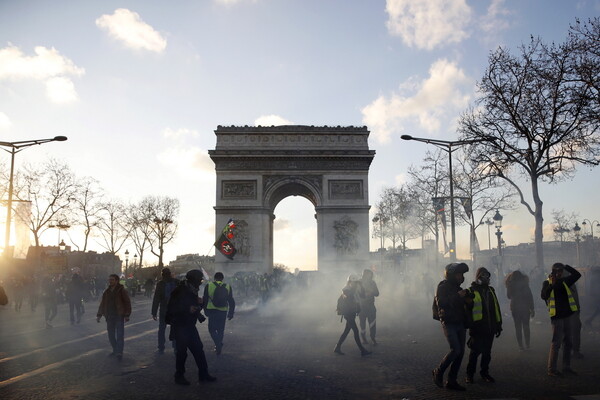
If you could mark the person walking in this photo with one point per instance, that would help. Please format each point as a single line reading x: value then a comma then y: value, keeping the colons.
x: 115, y: 306
x: 164, y: 289
x: 75, y: 291
x: 368, y: 312
x: 50, y: 300
x: 450, y: 307
x: 218, y: 305
x: 558, y: 295
x: 183, y: 310
x: 348, y: 307
x: 487, y: 323
x: 521, y: 305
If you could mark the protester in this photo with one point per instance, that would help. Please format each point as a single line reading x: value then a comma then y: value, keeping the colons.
x: 164, y: 289
x: 115, y: 306
x: 75, y: 292
x: 487, y: 323
x: 450, y: 308
x: 218, y: 305
x: 49, y: 298
x: 348, y: 307
x: 184, y: 309
x: 368, y: 312
x: 522, y: 307
x: 557, y: 293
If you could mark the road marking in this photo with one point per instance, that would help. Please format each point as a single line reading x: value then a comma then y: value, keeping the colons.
x: 54, y: 346
x: 63, y: 362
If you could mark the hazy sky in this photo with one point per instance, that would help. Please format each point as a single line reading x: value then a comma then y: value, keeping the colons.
x: 140, y: 86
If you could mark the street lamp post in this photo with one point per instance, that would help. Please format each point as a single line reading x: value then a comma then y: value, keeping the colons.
x: 14, y: 148
x: 448, y: 146
x: 498, y: 224
x: 134, y: 262
x: 126, y: 263
x: 489, y: 223
x: 577, y: 229
x: 584, y: 223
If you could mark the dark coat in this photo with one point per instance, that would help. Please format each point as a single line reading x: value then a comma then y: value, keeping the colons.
x: 452, y: 307
x: 160, y: 299
x: 122, y: 302
x: 487, y: 325
x: 519, y: 293
x: 178, y: 309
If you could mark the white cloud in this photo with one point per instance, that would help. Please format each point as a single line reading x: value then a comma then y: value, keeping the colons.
x: 128, y: 27
x: 190, y: 162
x: 61, y: 90
x: 45, y: 64
x: 427, y: 24
x: 445, y: 92
x: 496, y: 19
x: 268, y: 120
x: 4, y: 121
x: 281, y: 224
x: 179, y: 134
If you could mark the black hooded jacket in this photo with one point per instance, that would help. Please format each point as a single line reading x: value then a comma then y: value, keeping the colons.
x: 452, y: 307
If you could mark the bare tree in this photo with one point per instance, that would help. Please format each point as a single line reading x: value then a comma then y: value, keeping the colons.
x: 50, y: 189
x: 139, y: 227
x: 87, y: 206
x: 161, y: 218
x: 112, y: 226
x: 563, y: 224
x: 542, y: 121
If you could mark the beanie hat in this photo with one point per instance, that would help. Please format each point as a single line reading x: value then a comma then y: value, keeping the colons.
x: 481, y: 271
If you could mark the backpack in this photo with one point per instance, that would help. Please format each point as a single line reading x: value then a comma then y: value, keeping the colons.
x: 345, y: 305
x: 220, y: 295
x: 435, y: 309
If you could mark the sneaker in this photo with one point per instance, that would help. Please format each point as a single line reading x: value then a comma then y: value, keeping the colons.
x: 338, y: 350
x: 180, y: 380
x: 488, y: 378
x: 453, y: 385
x: 469, y: 379
x: 438, y: 378
x: 554, y: 373
x: 207, y: 378
x: 569, y: 371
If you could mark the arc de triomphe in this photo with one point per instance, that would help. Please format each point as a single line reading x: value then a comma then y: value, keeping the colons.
x: 257, y: 167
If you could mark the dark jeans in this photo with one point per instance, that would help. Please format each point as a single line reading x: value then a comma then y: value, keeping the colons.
x: 351, y: 325
x: 455, y: 335
x: 188, y: 338
x: 162, y: 328
x: 561, y: 333
x: 75, y: 310
x: 522, y: 328
x: 51, y: 309
x: 115, y: 326
x: 216, y: 325
x: 480, y: 344
x: 368, y: 314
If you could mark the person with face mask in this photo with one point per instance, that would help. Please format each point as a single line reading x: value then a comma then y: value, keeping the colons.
x: 487, y: 323
x: 451, y: 301
x: 183, y: 310
x: 557, y: 292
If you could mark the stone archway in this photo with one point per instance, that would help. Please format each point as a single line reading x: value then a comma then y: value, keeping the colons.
x: 257, y: 167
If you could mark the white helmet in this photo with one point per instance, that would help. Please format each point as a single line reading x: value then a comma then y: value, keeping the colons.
x: 353, y: 278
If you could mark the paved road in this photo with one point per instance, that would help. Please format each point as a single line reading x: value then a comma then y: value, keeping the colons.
x: 283, y: 351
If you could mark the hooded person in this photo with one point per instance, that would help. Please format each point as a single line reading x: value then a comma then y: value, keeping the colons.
x: 487, y: 323
x: 451, y: 309
x: 348, y: 307
x: 183, y: 310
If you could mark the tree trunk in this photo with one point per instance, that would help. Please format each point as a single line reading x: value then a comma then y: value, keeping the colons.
x: 539, y: 224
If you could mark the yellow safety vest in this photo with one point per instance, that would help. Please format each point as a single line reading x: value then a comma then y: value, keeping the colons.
x: 211, y: 291
x: 478, y: 306
x: 552, y: 301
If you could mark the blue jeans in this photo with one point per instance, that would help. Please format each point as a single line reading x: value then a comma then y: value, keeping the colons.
x: 456, y: 335
x: 561, y: 333
x: 216, y: 325
x: 115, y: 326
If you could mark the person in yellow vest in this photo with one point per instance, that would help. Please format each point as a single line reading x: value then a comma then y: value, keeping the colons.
x: 558, y: 295
x: 218, y: 305
x: 487, y: 323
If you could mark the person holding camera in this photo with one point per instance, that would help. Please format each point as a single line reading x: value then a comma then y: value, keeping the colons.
x: 558, y: 295
x: 183, y: 310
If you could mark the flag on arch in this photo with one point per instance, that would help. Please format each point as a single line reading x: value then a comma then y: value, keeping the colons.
x: 223, y: 243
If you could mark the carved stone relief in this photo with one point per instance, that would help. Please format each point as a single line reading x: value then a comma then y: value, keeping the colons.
x: 346, y: 234
x: 238, y: 190
x: 345, y: 189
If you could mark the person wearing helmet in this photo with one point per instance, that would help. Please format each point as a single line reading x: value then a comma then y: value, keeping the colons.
x: 183, y: 310
x: 487, y: 323
x: 451, y: 301
x: 348, y: 308
x: 368, y: 312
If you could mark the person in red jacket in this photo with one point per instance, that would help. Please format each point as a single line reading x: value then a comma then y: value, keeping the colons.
x: 116, y: 308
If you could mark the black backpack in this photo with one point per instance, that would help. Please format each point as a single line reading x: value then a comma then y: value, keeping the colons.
x: 220, y: 295
x: 345, y: 305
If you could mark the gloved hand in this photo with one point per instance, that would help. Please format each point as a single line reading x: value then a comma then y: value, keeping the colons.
x: 201, y: 318
x: 230, y: 317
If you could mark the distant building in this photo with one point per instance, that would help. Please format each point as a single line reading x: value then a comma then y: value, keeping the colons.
x: 186, y: 262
